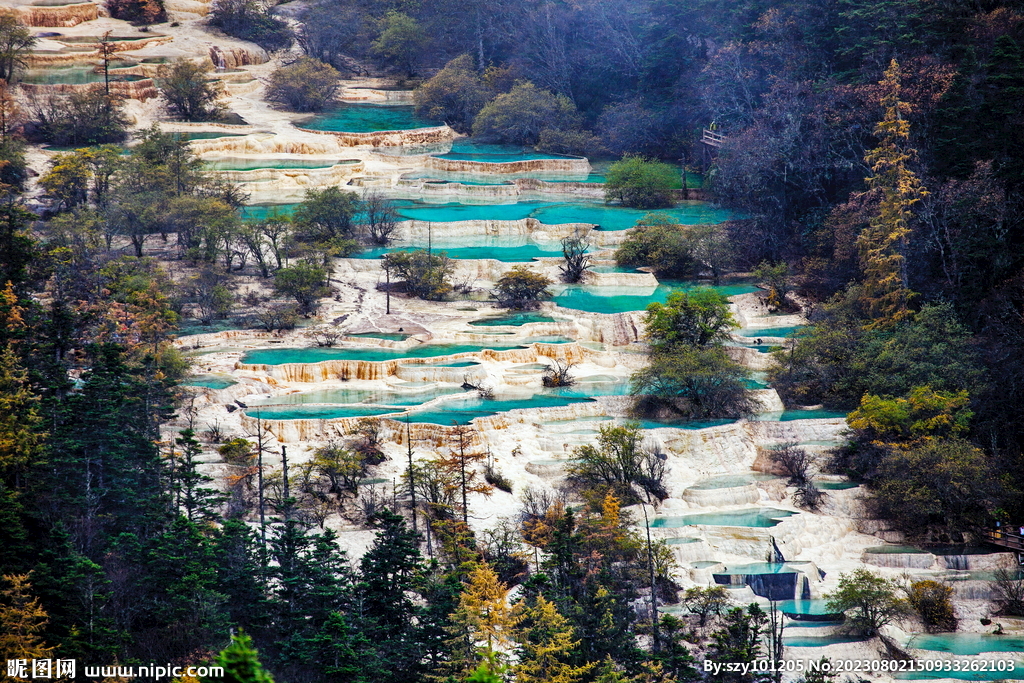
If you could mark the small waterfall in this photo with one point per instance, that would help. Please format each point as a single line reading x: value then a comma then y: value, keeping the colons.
x: 960, y: 562
x: 776, y: 553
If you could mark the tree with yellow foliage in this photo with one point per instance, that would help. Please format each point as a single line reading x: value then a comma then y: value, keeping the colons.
x: 22, y: 619
x: 546, y: 640
x: 884, y: 243
x: 485, y: 617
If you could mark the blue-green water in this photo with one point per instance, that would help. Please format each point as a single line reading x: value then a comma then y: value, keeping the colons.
x: 452, y: 364
x: 347, y: 395
x: 808, y: 607
x: 753, y: 517
x: 728, y: 481
x: 209, y: 381
x: 315, y: 412
x: 624, y: 299
x: 757, y: 568
x: 771, y: 331
x: 607, y: 217
x: 204, y: 135
x: 612, y: 218
x: 72, y: 75
x: 819, y: 641
x: 507, y: 249
x: 464, y: 411
x: 836, y: 485
x: 967, y: 643
x: 894, y: 550
x: 316, y: 355
x: 582, y: 390
x: 810, y: 415
x: 514, y: 319
x: 249, y: 164
x: 468, y: 149
x: 681, y: 541
x: 390, y: 336
x: 368, y: 118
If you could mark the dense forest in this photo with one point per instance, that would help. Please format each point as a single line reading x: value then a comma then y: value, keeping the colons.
x: 873, y: 155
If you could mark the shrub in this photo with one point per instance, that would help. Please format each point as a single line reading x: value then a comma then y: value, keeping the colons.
x: 1009, y: 591
x: 931, y: 599
x: 426, y: 275
x: 692, y: 383
x: 304, y: 282
x: 559, y: 374
x: 189, y: 93
x: 948, y: 484
x: 80, y: 119
x: 868, y: 600
x: 519, y: 116
x: 275, y: 317
x: 521, y: 289
x: 659, y: 243
x: 237, y: 451
x: 641, y: 183
x: 250, y: 20
x: 400, y: 42
x: 617, y: 464
x: 138, y: 11
x: 306, y: 84
x: 455, y: 95
x: 697, y: 318
x: 325, y: 215
x: 574, y: 251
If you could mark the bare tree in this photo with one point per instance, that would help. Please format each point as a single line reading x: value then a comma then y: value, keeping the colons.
x: 381, y: 217
x: 574, y: 251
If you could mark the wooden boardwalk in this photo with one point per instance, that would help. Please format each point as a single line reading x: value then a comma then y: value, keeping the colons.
x: 712, y: 138
x: 1004, y: 539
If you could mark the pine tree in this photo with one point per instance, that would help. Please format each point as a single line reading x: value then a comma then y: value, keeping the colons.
x: 196, y: 502
x: 241, y: 663
x: 546, y: 643
x: 484, y: 616
x: 739, y: 641
x: 22, y: 619
x: 884, y: 243
x: 20, y: 441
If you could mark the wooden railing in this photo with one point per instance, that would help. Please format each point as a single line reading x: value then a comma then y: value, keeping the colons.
x: 712, y: 138
x: 1004, y: 538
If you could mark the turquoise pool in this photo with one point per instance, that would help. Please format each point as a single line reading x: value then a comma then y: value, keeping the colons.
x: 507, y: 249
x: 815, y: 608
x: 316, y: 355
x: 772, y: 331
x: 810, y: 415
x: 607, y: 217
x: 390, y: 336
x: 452, y: 364
x: 625, y: 299
x: 465, y: 411
x: 819, y: 641
x: 966, y: 643
x: 346, y: 395
x: 72, y: 75
x: 753, y: 517
x: 468, y: 149
x: 368, y: 118
x: 209, y: 381
x: 248, y: 164
x: 727, y: 481
x: 315, y: 412
x: 513, y: 319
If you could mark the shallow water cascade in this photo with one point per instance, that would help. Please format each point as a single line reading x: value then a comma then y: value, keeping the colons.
x: 774, y: 581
